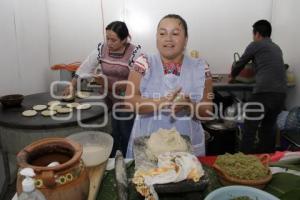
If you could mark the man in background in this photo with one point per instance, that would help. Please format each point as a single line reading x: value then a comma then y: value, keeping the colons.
x: 269, y: 91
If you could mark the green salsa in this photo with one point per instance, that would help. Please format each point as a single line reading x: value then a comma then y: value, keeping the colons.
x: 241, y: 166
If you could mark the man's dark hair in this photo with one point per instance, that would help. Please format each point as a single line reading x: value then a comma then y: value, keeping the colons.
x: 263, y: 27
x: 119, y: 28
x: 182, y: 21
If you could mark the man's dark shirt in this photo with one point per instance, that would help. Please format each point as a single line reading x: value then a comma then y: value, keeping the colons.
x: 268, y: 64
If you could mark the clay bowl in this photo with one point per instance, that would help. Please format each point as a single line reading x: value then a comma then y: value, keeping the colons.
x: 13, y: 100
x: 227, y: 180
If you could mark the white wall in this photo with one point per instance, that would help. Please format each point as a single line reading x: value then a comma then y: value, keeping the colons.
x: 37, y: 34
x: 216, y: 28
x: 24, y: 56
x: 286, y: 24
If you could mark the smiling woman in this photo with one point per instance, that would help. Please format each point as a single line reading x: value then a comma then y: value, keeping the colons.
x: 170, y: 78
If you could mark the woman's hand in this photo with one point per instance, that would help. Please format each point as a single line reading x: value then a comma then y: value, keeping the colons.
x: 99, y: 80
x: 181, y: 102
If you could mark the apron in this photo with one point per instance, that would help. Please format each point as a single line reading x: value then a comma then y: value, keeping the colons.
x: 155, y: 84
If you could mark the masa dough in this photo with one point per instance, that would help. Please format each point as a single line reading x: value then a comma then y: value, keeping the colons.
x: 165, y: 140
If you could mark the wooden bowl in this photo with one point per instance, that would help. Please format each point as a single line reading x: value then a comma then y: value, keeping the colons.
x: 226, y: 179
x: 12, y: 100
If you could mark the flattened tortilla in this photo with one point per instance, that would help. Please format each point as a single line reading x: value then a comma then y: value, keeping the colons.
x: 39, y: 107
x: 29, y: 113
x: 84, y: 106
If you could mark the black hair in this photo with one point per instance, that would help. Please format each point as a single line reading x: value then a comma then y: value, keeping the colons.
x: 183, y: 22
x: 263, y: 27
x: 119, y: 28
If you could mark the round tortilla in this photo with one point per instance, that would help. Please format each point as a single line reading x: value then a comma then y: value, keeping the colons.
x: 29, y: 113
x: 53, y: 103
x: 64, y: 110
x: 84, y: 106
x: 68, y: 98
x: 73, y: 105
x: 82, y: 94
x: 48, y: 113
x: 39, y: 107
x: 55, y: 107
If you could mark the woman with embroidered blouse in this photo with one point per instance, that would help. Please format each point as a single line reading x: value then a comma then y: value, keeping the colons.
x: 171, y: 90
x: 112, y: 59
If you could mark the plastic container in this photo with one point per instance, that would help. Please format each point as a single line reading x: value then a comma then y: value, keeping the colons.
x: 230, y: 192
x: 28, y: 187
x: 97, y: 146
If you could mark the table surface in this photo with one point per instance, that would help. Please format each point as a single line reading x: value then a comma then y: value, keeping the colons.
x: 12, y: 117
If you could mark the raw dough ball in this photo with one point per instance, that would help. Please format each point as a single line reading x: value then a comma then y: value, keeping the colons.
x: 29, y: 113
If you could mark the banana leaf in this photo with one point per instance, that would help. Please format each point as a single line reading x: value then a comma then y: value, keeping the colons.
x: 282, y: 183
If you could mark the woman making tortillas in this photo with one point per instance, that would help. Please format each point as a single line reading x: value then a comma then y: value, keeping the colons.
x: 165, y: 80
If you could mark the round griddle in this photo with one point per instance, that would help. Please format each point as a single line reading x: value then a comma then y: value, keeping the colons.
x: 12, y: 117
